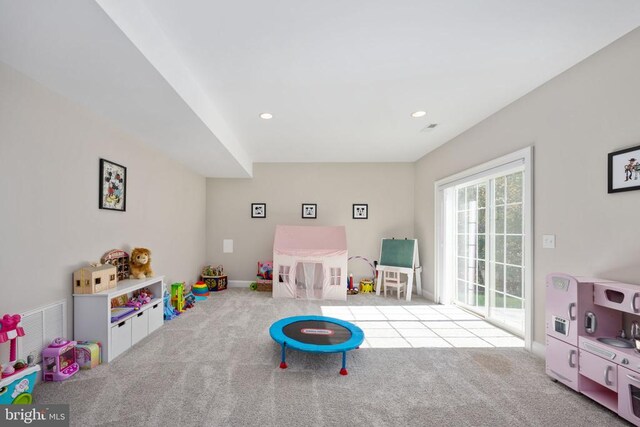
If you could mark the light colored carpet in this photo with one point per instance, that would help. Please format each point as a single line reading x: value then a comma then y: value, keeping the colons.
x: 216, y: 365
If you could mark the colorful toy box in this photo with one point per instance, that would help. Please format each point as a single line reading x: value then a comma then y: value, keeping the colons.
x: 88, y: 354
x: 215, y: 283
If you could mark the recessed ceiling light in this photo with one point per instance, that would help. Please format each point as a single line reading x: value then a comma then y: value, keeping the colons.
x: 266, y: 116
x: 418, y: 114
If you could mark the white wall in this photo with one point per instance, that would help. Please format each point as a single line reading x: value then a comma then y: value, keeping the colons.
x: 50, y: 223
x: 387, y: 188
x: 572, y: 121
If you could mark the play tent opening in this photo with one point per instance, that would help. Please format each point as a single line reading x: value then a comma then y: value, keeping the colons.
x: 310, y: 262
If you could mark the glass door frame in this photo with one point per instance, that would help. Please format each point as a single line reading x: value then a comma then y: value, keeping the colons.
x: 484, y: 311
x: 442, y: 253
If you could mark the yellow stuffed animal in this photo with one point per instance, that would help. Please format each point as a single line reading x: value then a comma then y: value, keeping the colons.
x: 141, y: 263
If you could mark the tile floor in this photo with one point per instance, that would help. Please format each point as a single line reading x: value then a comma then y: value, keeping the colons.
x: 422, y: 326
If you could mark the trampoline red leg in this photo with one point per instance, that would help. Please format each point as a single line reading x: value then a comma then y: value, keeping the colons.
x: 283, y: 364
x: 343, y: 371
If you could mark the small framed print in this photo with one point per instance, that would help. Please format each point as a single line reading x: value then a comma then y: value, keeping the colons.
x: 258, y: 210
x: 624, y: 170
x: 360, y: 211
x: 113, y: 186
x: 309, y: 210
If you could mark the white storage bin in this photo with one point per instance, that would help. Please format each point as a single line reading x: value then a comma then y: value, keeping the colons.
x: 139, y: 327
x: 156, y: 316
x: 120, y: 338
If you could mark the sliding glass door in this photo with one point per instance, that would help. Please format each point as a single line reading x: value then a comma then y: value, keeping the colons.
x: 489, y: 246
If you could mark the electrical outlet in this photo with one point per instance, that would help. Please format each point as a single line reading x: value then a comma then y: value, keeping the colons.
x: 549, y: 241
x: 227, y: 246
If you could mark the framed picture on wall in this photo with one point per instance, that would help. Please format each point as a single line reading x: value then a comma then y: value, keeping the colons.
x: 624, y: 170
x: 258, y: 210
x: 309, y: 210
x: 360, y: 211
x: 113, y: 186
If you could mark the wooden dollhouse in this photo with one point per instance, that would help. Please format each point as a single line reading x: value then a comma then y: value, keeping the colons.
x: 93, y: 279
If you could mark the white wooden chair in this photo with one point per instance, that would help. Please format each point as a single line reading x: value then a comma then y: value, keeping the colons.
x: 391, y: 279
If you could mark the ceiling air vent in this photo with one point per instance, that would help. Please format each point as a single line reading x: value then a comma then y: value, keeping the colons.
x: 429, y: 127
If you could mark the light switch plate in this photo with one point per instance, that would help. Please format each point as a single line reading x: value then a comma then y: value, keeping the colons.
x: 227, y: 246
x: 549, y: 241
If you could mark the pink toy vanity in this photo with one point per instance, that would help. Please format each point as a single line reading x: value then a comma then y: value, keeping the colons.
x: 59, y: 360
x: 17, y: 379
x: 584, y: 350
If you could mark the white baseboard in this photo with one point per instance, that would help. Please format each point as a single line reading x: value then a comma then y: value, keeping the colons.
x: 428, y: 295
x: 538, y: 349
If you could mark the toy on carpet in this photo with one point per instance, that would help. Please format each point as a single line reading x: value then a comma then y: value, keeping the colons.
x: 141, y: 263
x: 253, y: 286
x: 88, y: 354
x: 366, y: 286
x: 264, y: 283
x: 18, y: 378
x: 169, y: 311
x: 316, y: 334
x: 351, y: 290
x: 189, y: 300
x: 177, y: 296
x: 200, y: 290
x: 59, y: 360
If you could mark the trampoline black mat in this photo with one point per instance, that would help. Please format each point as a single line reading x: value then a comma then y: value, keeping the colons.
x: 317, y: 332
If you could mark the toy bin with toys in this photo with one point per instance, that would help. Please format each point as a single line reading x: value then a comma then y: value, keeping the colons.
x: 215, y: 278
x: 88, y: 354
x: 59, y: 360
x: 264, y: 282
x: 17, y: 379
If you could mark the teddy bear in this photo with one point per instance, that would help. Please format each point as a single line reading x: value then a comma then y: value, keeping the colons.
x: 141, y: 263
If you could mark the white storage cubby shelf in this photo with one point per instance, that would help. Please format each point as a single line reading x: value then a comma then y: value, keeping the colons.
x: 92, y: 317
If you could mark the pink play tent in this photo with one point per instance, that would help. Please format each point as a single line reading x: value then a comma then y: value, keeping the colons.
x: 310, y: 262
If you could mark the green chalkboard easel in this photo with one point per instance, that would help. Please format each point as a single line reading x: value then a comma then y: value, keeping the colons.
x: 400, y: 255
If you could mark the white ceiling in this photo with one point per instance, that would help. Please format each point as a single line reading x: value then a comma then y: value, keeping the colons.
x: 340, y: 77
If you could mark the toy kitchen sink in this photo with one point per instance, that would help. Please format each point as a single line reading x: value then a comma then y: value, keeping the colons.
x: 584, y: 350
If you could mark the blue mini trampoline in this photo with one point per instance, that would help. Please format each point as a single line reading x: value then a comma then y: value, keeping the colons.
x: 316, y: 334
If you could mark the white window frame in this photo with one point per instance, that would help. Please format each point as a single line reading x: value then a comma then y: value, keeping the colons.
x: 283, y: 272
x: 335, y: 274
x: 523, y: 157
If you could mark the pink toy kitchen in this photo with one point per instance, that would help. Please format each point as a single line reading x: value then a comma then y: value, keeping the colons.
x: 588, y: 348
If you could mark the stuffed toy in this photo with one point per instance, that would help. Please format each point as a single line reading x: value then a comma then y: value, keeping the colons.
x: 141, y: 263
x: 265, y: 270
